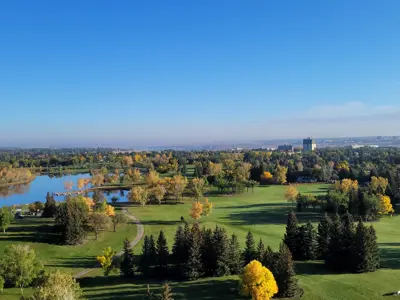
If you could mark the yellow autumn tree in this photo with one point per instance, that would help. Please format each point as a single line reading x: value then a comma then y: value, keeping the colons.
x: 280, y: 174
x: 291, y: 193
x: 90, y: 203
x: 346, y: 186
x: 127, y: 160
x: 152, y: 178
x: 215, y: 169
x: 196, y: 210
x: 343, y: 166
x: 257, y: 282
x: 196, y: 187
x: 378, y: 185
x: 136, y: 193
x: 136, y: 176
x: 81, y: 183
x: 385, y: 206
x: 266, y: 175
x: 207, y: 207
x: 106, y: 260
x: 109, y: 210
x: 159, y: 192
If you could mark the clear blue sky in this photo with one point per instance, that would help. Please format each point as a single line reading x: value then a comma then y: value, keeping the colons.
x: 166, y: 72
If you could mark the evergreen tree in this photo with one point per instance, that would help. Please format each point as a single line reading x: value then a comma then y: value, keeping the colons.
x: 162, y: 254
x: 323, y: 236
x: 193, y: 268
x: 208, y: 254
x: 71, y: 220
x: 179, y: 251
x: 290, y: 238
x: 152, y: 250
x: 260, y: 251
x: 374, y: 249
x: 166, y: 292
x: 332, y: 258
x: 249, y: 253
x: 127, y: 267
x: 285, y: 274
x: 234, y: 256
x: 269, y: 258
x: 347, y: 242
x: 144, y: 264
x: 221, y: 244
x: 50, y: 207
x: 362, y: 256
x: 306, y: 242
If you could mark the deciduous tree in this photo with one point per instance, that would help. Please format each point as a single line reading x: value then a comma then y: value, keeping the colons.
x: 385, y: 207
x: 291, y: 193
x: 118, y: 219
x: 106, y: 260
x: 5, y: 218
x: 196, y: 210
x: 57, y: 285
x: 280, y: 174
x: 98, y: 221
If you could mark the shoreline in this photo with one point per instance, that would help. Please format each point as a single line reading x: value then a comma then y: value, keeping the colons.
x: 29, y: 180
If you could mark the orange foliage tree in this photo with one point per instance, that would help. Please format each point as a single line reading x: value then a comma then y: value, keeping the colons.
x: 196, y: 210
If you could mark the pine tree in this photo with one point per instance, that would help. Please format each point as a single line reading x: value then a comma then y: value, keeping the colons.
x: 50, y: 207
x: 193, y: 268
x: 323, y: 236
x: 208, y: 255
x: 162, y: 254
x: 260, y: 251
x: 290, y: 238
x: 269, y: 258
x: 347, y: 242
x: 144, y: 264
x: 374, y: 249
x: 221, y: 244
x: 249, y: 253
x: 179, y: 251
x: 333, y: 258
x: 285, y: 274
x: 234, y: 256
x: 362, y: 255
x: 306, y: 242
x: 152, y: 250
x: 127, y: 267
x: 166, y: 292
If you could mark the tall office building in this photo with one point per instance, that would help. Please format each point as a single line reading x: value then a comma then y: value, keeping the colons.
x: 309, y: 144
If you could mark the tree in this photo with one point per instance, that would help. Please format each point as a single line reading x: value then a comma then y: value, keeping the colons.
x: 221, y: 244
x: 180, y: 250
x: 323, y: 236
x: 379, y: 185
x: 136, y: 175
x: 162, y: 254
x: 19, y: 266
x: 249, y: 252
x: 196, y: 210
x: 98, y: 221
x: 159, y: 192
x: 139, y: 195
x: 285, y: 274
x: 196, y: 187
x: 280, y: 174
x: 152, y: 178
x: 260, y: 250
x: 127, y: 266
x: 207, y: 207
x: 335, y: 249
x: 149, y: 294
x: 346, y: 186
x: 35, y: 207
x: 106, y: 260
x: 290, y: 238
x: 58, y: 286
x: 257, y: 281
x: 1, y: 284
x: 291, y: 193
x: 118, y: 219
x: 5, y: 218
x: 234, y: 255
x: 267, y: 176
x: 50, y: 207
x: 145, y: 258
x: 193, y: 267
x: 385, y: 207
x: 374, y: 248
x: 166, y: 292
x: 305, y: 242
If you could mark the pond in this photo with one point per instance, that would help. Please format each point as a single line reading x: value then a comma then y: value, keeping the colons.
x: 37, y: 190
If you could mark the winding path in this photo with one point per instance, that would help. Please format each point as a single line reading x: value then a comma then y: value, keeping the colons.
x: 138, y: 237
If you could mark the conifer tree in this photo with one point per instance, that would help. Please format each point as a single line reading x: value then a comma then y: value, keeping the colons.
x: 179, y: 251
x: 234, y: 256
x: 290, y: 238
x: 323, y: 236
x: 307, y: 242
x: 362, y: 255
x: 221, y: 244
x: 260, y: 251
x: 144, y: 263
x: 208, y: 255
x: 269, y: 258
x: 193, y: 268
x: 249, y: 253
x: 347, y: 242
x: 127, y: 267
x: 373, y: 246
x: 50, y: 207
x: 152, y: 250
x: 335, y: 246
x: 166, y: 292
x: 285, y: 274
x: 162, y: 254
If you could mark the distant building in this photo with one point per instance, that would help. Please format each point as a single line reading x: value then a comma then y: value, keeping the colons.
x: 357, y: 146
x: 309, y: 144
x: 285, y: 148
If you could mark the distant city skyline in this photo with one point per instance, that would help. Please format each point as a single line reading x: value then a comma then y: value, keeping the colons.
x: 84, y: 73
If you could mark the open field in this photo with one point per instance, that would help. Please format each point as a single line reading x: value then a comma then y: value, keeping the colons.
x: 263, y: 212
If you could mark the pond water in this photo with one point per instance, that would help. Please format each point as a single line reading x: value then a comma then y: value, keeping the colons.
x: 37, y: 190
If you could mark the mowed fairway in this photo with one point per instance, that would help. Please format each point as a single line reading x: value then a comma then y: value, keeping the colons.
x: 264, y: 213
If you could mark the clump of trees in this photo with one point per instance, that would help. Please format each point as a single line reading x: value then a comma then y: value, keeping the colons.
x: 342, y: 245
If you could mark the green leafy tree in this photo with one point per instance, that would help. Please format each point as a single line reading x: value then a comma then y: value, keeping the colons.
x: 118, y: 219
x: 58, y: 286
x: 249, y: 252
x: 5, y: 218
x: 98, y: 221
x: 127, y: 266
x: 50, y: 207
x: 234, y: 255
x: 19, y: 266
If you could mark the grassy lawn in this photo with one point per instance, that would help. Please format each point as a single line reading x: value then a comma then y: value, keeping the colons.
x: 264, y: 213
x: 36, y: 232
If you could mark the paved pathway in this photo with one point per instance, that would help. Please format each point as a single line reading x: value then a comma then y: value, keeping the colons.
x: 138, y: 237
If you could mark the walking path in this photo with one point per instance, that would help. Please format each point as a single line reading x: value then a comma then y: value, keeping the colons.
x: 138, y: 237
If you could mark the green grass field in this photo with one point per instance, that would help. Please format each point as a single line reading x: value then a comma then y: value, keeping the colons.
x: 264, y: 213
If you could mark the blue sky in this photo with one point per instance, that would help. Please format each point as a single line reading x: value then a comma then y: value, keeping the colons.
x: 180, y: 72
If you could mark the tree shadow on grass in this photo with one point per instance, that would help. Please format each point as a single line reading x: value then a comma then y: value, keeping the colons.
x: 312, y: 268
x: 259, y: 205
x: 390, y: 258
x: 32, y: 234
x: 119, y: 288
x: 161, y: 222
x: 75, y: 262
